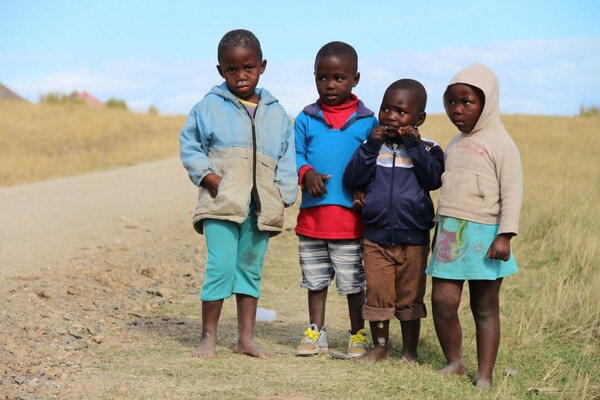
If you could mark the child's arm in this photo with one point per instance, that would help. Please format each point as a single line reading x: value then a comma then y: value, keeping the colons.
x: 285, y: 174
x: 427, y: 164
x: 361, y: 167
x: 193, y: 151
x: 311, y: 180
x: 500, y: 247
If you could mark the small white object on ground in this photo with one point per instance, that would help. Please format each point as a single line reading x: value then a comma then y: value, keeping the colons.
x: 265, y: 315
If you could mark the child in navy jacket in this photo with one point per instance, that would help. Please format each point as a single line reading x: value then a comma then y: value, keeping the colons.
x: 396, y: 169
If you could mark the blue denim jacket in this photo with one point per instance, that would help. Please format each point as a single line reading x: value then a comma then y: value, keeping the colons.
x: 217, y: 138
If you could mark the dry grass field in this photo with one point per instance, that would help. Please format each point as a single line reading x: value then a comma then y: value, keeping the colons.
x: 550, y: 311
x: 39, y: 142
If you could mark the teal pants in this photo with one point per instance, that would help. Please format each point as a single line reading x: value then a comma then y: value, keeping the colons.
x: 236, y: 254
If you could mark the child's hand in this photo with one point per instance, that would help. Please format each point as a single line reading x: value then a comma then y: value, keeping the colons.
x: 410, y: 131
x: 314, y: 182
x: 378, y: 133
x: 500, y: 247
x: 211, y: 182
x: 358, y: 199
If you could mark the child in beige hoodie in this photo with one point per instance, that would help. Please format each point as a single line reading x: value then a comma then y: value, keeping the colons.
x: 478, y: 214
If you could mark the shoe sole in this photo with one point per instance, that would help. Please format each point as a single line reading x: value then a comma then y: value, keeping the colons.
x: 311, y: 352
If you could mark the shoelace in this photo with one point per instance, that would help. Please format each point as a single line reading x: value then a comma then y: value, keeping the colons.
x: 359, y: 338
x: 311, y: 334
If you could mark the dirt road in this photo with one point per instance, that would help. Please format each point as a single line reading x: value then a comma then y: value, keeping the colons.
x: 45, y: 224
x: 83, y: 261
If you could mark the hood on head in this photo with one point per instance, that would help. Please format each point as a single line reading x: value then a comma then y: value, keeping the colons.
x: 482, y: 77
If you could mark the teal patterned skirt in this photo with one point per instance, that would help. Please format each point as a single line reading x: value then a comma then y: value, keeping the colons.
x: 460, y: 252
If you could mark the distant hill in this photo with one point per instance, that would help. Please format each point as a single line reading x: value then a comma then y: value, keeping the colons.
x: 7, y: 94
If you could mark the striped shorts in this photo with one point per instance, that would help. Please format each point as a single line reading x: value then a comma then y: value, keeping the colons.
x: 323, y: 259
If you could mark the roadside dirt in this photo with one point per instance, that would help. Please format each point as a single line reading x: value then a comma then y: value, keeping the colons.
x: 83, y: 261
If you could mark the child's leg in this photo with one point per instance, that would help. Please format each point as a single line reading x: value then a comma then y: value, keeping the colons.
x: 410, y: 339
x: 485, y: 306
x: 317, y: 273
x: 252, y: 247
x: 355, y: 303
x: 445, y: 299
x: 410, y: 283
x: 347, y: 260
x: 317, y: 300
x: 221, y: 245
x: 211, y: 311
x: 380, y: 293
x: 380, y: 332
x: 246, y: 313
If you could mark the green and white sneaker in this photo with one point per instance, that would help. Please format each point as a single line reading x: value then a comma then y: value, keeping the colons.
x: 313, y: 342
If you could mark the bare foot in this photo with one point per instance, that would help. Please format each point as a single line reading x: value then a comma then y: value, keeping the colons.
x: 375, y: 354
x: 453, y: 369
x: 482, y: 383
x: 206, y: 347
x: 410, y: 359
x: 251, y: 348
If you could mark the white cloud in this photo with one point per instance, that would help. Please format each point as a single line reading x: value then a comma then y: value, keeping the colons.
x: 536, y: 76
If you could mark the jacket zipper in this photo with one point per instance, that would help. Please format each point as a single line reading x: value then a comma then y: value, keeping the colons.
x: 254, y: 193
x: 392, y: 209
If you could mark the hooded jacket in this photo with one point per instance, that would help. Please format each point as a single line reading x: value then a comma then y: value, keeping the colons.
x: 483, y: 181
x: 220, y: 137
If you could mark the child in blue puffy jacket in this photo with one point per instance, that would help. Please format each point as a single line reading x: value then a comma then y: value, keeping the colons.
x: 238, y: 148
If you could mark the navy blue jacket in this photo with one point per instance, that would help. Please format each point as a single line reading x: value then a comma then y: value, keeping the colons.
x: 397, y: 180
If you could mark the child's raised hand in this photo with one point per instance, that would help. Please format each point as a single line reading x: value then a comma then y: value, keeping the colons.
x: 314, y: 182
x: 410, y: 131
x: 500, y: 247
x: 378, y: 133
x: 211, y: 182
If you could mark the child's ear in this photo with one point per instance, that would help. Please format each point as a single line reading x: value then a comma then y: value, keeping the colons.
x: 356, y: 79
x: 421, y: 119
x: 263, y: 66
x: 220, y: 70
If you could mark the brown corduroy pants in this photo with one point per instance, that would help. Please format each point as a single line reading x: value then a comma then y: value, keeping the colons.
x: 396, y: 281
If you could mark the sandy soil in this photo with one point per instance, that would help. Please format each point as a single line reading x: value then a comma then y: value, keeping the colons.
x: 82, y: 259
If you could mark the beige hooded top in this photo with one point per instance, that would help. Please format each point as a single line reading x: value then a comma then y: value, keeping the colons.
x: 483, y: 179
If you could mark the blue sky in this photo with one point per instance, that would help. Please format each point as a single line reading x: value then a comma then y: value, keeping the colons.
x: 163, y: 53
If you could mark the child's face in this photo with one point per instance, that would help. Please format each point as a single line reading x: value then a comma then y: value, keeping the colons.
x: 335, y: 77
x: 463, y: 106
x: 241, y: 67
x: 399, y: 109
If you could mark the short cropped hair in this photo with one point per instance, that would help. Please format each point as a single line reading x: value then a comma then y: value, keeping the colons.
x: 239, y: 38
x: 415, y: 87
x: 339, y: 49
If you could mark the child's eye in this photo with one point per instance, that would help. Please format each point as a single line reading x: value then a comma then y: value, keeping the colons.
x: 385, y: 109
x: 339, y: 79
